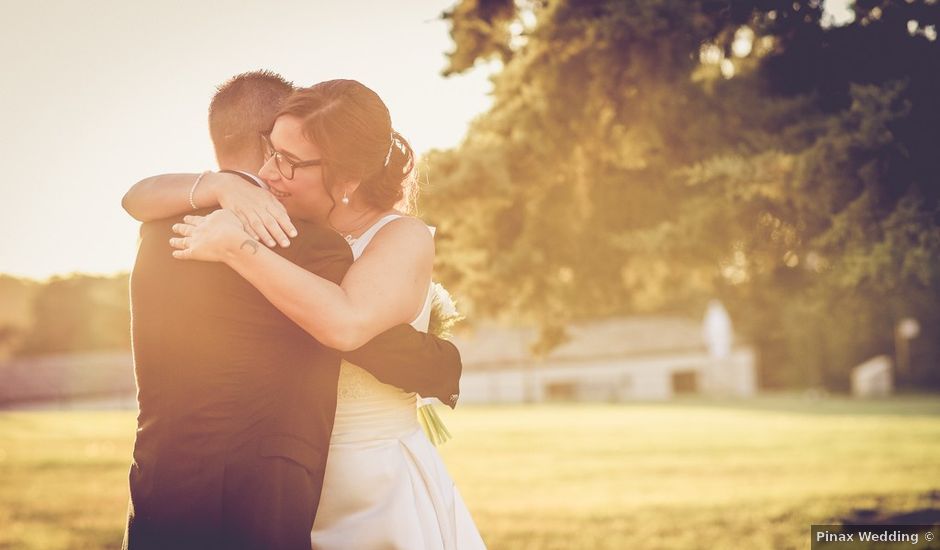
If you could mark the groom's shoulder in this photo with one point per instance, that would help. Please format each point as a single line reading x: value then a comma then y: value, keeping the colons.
x: 319, y: 249
x: 316, y: 233
x: 316, y: 236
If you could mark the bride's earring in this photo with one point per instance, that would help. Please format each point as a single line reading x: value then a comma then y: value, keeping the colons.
x: 345, y: 199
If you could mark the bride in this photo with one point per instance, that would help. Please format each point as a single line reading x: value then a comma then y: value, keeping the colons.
x: 333, y: 155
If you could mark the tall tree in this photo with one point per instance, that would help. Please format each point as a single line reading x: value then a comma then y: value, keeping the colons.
x: 645, y: 155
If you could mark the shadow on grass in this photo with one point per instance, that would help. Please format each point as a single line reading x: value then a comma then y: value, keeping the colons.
x: 928, y: 514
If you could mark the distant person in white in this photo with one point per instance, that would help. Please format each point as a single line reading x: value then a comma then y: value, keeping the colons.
x: 717, y: 331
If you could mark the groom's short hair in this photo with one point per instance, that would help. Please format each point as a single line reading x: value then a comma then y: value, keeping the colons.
x: 243, y: 107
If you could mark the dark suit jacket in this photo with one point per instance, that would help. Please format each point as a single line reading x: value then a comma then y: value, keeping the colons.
x: 237, y: 402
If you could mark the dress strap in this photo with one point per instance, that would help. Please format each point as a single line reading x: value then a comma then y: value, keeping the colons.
x: 359, y: 244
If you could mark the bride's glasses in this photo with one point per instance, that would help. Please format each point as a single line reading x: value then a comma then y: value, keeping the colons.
x: 284, y: 165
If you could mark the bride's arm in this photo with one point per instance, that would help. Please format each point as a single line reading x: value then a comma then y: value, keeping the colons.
x: 158, y: 197
x: 167, y: 195
x: 385, y: 287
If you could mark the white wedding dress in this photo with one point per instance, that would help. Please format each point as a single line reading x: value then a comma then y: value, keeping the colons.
x: 385, y: 484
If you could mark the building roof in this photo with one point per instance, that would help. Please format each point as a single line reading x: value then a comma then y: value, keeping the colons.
x: 490, y: 345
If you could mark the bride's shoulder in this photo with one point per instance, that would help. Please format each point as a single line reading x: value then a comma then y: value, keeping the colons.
x: 406, y: 232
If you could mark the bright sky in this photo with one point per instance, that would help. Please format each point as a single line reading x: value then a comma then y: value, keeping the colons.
x: 98, y: 94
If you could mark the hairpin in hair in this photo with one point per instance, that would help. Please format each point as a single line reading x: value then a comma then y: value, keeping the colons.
x: 391, y: 146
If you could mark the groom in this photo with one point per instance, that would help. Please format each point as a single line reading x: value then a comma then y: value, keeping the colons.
x: 237, y: 402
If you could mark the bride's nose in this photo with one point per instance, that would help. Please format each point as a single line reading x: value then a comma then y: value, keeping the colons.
x: 269, y: 171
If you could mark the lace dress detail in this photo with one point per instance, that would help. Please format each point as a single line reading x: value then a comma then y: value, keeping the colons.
x: 354, y: 383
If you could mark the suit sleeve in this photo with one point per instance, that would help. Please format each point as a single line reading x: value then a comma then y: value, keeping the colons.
x: 414, y: 361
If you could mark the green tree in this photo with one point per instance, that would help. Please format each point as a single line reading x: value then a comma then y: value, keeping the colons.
x: 644, y: 156
x: 80, y: 313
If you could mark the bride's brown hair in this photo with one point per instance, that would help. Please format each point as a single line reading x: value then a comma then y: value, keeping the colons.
x: 351, y: 126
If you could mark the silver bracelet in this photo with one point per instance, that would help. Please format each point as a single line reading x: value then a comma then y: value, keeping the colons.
x: 192, y: 190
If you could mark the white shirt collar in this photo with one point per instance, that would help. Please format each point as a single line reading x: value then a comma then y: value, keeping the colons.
x: 256, y: 179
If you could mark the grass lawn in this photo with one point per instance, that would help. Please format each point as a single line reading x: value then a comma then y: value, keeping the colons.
x: 683, y: 474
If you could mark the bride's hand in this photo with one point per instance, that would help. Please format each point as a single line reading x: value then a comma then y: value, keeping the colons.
x: 211, y: 238
x: 262, y: 215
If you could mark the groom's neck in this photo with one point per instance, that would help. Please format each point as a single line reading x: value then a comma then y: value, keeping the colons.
x: 249, y: 165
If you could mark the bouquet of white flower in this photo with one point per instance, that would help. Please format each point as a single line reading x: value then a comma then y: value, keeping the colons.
x: 444, y: 316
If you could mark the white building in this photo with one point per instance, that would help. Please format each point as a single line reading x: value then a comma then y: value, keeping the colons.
x: 61, y: 379
x: 621, y: 359
x: 873, y: 378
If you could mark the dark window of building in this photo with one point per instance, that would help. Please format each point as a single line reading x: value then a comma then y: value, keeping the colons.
x: 560, y: 391
x: 684, y: 382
